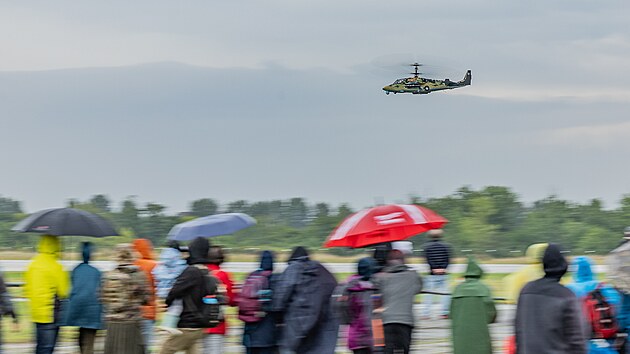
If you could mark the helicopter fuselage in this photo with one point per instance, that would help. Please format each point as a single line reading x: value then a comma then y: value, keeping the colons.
x: 420, y: 85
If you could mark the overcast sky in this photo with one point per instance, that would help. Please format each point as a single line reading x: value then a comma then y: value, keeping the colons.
x: 263, y: 100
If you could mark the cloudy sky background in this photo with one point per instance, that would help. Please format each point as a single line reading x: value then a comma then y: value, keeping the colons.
x: 277, y: 99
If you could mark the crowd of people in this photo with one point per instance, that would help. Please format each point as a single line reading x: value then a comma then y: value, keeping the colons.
x: 303, y: 309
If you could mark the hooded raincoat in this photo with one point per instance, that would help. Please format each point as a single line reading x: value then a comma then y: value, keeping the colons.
x: 472, y: 309
x: 45, y: 280
x: 534, y: 270
x: 170, y: 266
x: 147, y: 263
x: 85, y: 309
x: 360, y: 305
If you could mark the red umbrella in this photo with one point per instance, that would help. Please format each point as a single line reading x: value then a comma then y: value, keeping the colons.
x: 384, y: 223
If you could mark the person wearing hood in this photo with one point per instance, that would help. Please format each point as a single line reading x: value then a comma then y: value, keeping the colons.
x: 261, y: 337
x: 147, y: 263
x: 85, y: 310
x: 170, y: 266
x: 360, y: 307
x: 548, y: 315
x: 124, y: 291
x: 398, y: 285
x: 515, y: 282
x: 46, y: 285
x: 191, y: 286
x: 213, y: 342
x: 472, y: 309
x: 302, y: 295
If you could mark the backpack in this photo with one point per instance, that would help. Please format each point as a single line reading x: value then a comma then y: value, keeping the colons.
x: 600, y: 314
x: 340, y: 302
x: 209, y: 315
x: 254, y: 292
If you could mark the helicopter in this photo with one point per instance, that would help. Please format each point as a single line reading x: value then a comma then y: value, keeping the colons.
x: 421, y: 85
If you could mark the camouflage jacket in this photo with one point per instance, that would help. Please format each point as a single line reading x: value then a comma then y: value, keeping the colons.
x: 125, y: 289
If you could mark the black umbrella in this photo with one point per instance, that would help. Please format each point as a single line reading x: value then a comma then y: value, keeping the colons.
x: 66, y: 222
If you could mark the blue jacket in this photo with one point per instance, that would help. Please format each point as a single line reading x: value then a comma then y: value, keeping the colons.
x: 84, y: 307
x: 170, y: 266
x: 584, y: 281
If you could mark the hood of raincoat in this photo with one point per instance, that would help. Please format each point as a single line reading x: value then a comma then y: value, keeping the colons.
x: 87, y: 251
x: 198, y: 251
x: 171, y: 258
x: 366, y: 267
x: 554, y: 263
x: 583, y: 271
x: 299, y: 254
x: 266, y: 261
x: 49, y: 245
x: 144, y: 247
x: 535, y: 253
x: 473, y: 270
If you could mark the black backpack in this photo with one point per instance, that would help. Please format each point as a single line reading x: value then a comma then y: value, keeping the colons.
x: 210, y: 314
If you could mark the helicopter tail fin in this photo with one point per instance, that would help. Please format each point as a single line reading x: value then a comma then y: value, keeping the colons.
x: 467, y: 78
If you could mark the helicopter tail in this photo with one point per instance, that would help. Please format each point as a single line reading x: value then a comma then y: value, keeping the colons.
x: 468, y: 78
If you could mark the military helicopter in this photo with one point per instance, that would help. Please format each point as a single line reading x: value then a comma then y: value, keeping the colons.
x: 421, y: 85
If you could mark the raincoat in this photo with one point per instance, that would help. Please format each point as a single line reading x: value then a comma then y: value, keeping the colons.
x: 534, y: 270
x: 472, y: 308
x: 45, y: 280
x: 360, y: 304
x: 170, y: 266
x: 84, y: 307
x: 147, y: 264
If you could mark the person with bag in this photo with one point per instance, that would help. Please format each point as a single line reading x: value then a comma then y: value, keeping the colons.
x: 618, y: 263
x: 472, y: 309
x: 46, y: 286
x: 197, y: 289
x: 254, y: 309
x: 85, y: 309
x: 124, y: 291
x: 302, y: 295
x: 213, y: 342
x: 170, y: 266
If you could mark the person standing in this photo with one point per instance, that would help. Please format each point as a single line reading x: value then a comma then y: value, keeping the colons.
x: 191, y: 286
x: 548, y: 314
x: 46, y: 286
x: 147, y: 263
x: 124, y: 291
x: 398, y: 285
x: 215, y: 337
x: 260, y: 336
x: 302, y: 295
x: 6, y: 307
x: 438, y: 256
x: 84, y: 306
x: 360, y: 307
x: 472, y: 309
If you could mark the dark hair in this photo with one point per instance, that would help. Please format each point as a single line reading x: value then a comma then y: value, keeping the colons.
x: 395, y: 257
x: 216, y: 255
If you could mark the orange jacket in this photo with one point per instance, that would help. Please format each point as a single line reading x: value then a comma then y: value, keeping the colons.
x: 146, y: 263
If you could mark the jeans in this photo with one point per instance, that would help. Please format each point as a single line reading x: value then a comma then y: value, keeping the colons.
x: 146, y: 327
x: 46, y: 335
x: 436, y: 283
x: 213, y: 343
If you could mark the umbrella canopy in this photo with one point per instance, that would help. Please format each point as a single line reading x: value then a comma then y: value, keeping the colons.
x: 213, y: 225
x: 66, y: 222
x: 384, y: 223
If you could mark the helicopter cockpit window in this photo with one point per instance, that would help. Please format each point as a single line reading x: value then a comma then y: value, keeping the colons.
x: 399, y: 81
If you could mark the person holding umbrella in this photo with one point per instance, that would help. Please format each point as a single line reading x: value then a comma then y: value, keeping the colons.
x: 46, y: 284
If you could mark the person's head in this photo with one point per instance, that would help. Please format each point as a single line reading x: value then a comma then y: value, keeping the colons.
x: 49, y: 244
x: 582, y: 269
x: 198, y: 251
x: 86, y: 248
x: 266, y: 260
x: 473, y: 270
x: 535, y: 253
x: 554, y: 263
x: 366, y: 267
x: 216, y: 255
x: 395, y: 257
x: 299, y: 254
x: 435, y: 234
x: 626, y: 233
x: 144, y: 247
x: 406, y: 247
x: 125, y: 254
x: 380, y: 254
x: 173, y: 244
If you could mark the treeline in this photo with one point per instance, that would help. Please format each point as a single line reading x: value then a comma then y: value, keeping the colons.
x: 491, y: 221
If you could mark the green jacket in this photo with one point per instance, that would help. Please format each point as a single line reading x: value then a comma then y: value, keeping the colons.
x: 472, y: 308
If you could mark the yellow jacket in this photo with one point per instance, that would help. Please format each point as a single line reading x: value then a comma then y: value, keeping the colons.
x: 45, y: 279
x: 534, y: 270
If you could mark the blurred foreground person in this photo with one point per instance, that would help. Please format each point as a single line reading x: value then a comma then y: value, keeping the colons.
x: 303, y: 296
x: 193, y: 286
x: 215, y: 337
x: 438, y: 256
x: 398, y: 285
x: 84, y: 306
x: 472, y: 309
x: 548, y: 314
x: 359, y: 293
x: 6, y: 307
x: 618, y: 262
x: 170, y: 266
x: 125, y: 290
x: 381, y: 251
x: 534, y: 270
x: 46, y: 285
x: 254, y: 303
x: 147, y: 263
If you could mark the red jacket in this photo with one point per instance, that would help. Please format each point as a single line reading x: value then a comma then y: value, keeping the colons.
x: 224, y: 277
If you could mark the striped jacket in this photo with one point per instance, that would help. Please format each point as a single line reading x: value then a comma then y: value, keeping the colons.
x: 438, y: 254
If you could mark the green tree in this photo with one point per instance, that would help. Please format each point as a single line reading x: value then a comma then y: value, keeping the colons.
x: 204, y: 207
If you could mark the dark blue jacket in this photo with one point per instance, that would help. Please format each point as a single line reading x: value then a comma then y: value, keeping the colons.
x: 438, y: 254
x: 84, y: 306
x: 263, y: 334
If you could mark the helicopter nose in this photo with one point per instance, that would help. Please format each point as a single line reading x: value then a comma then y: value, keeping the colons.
x: 387, y: 88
